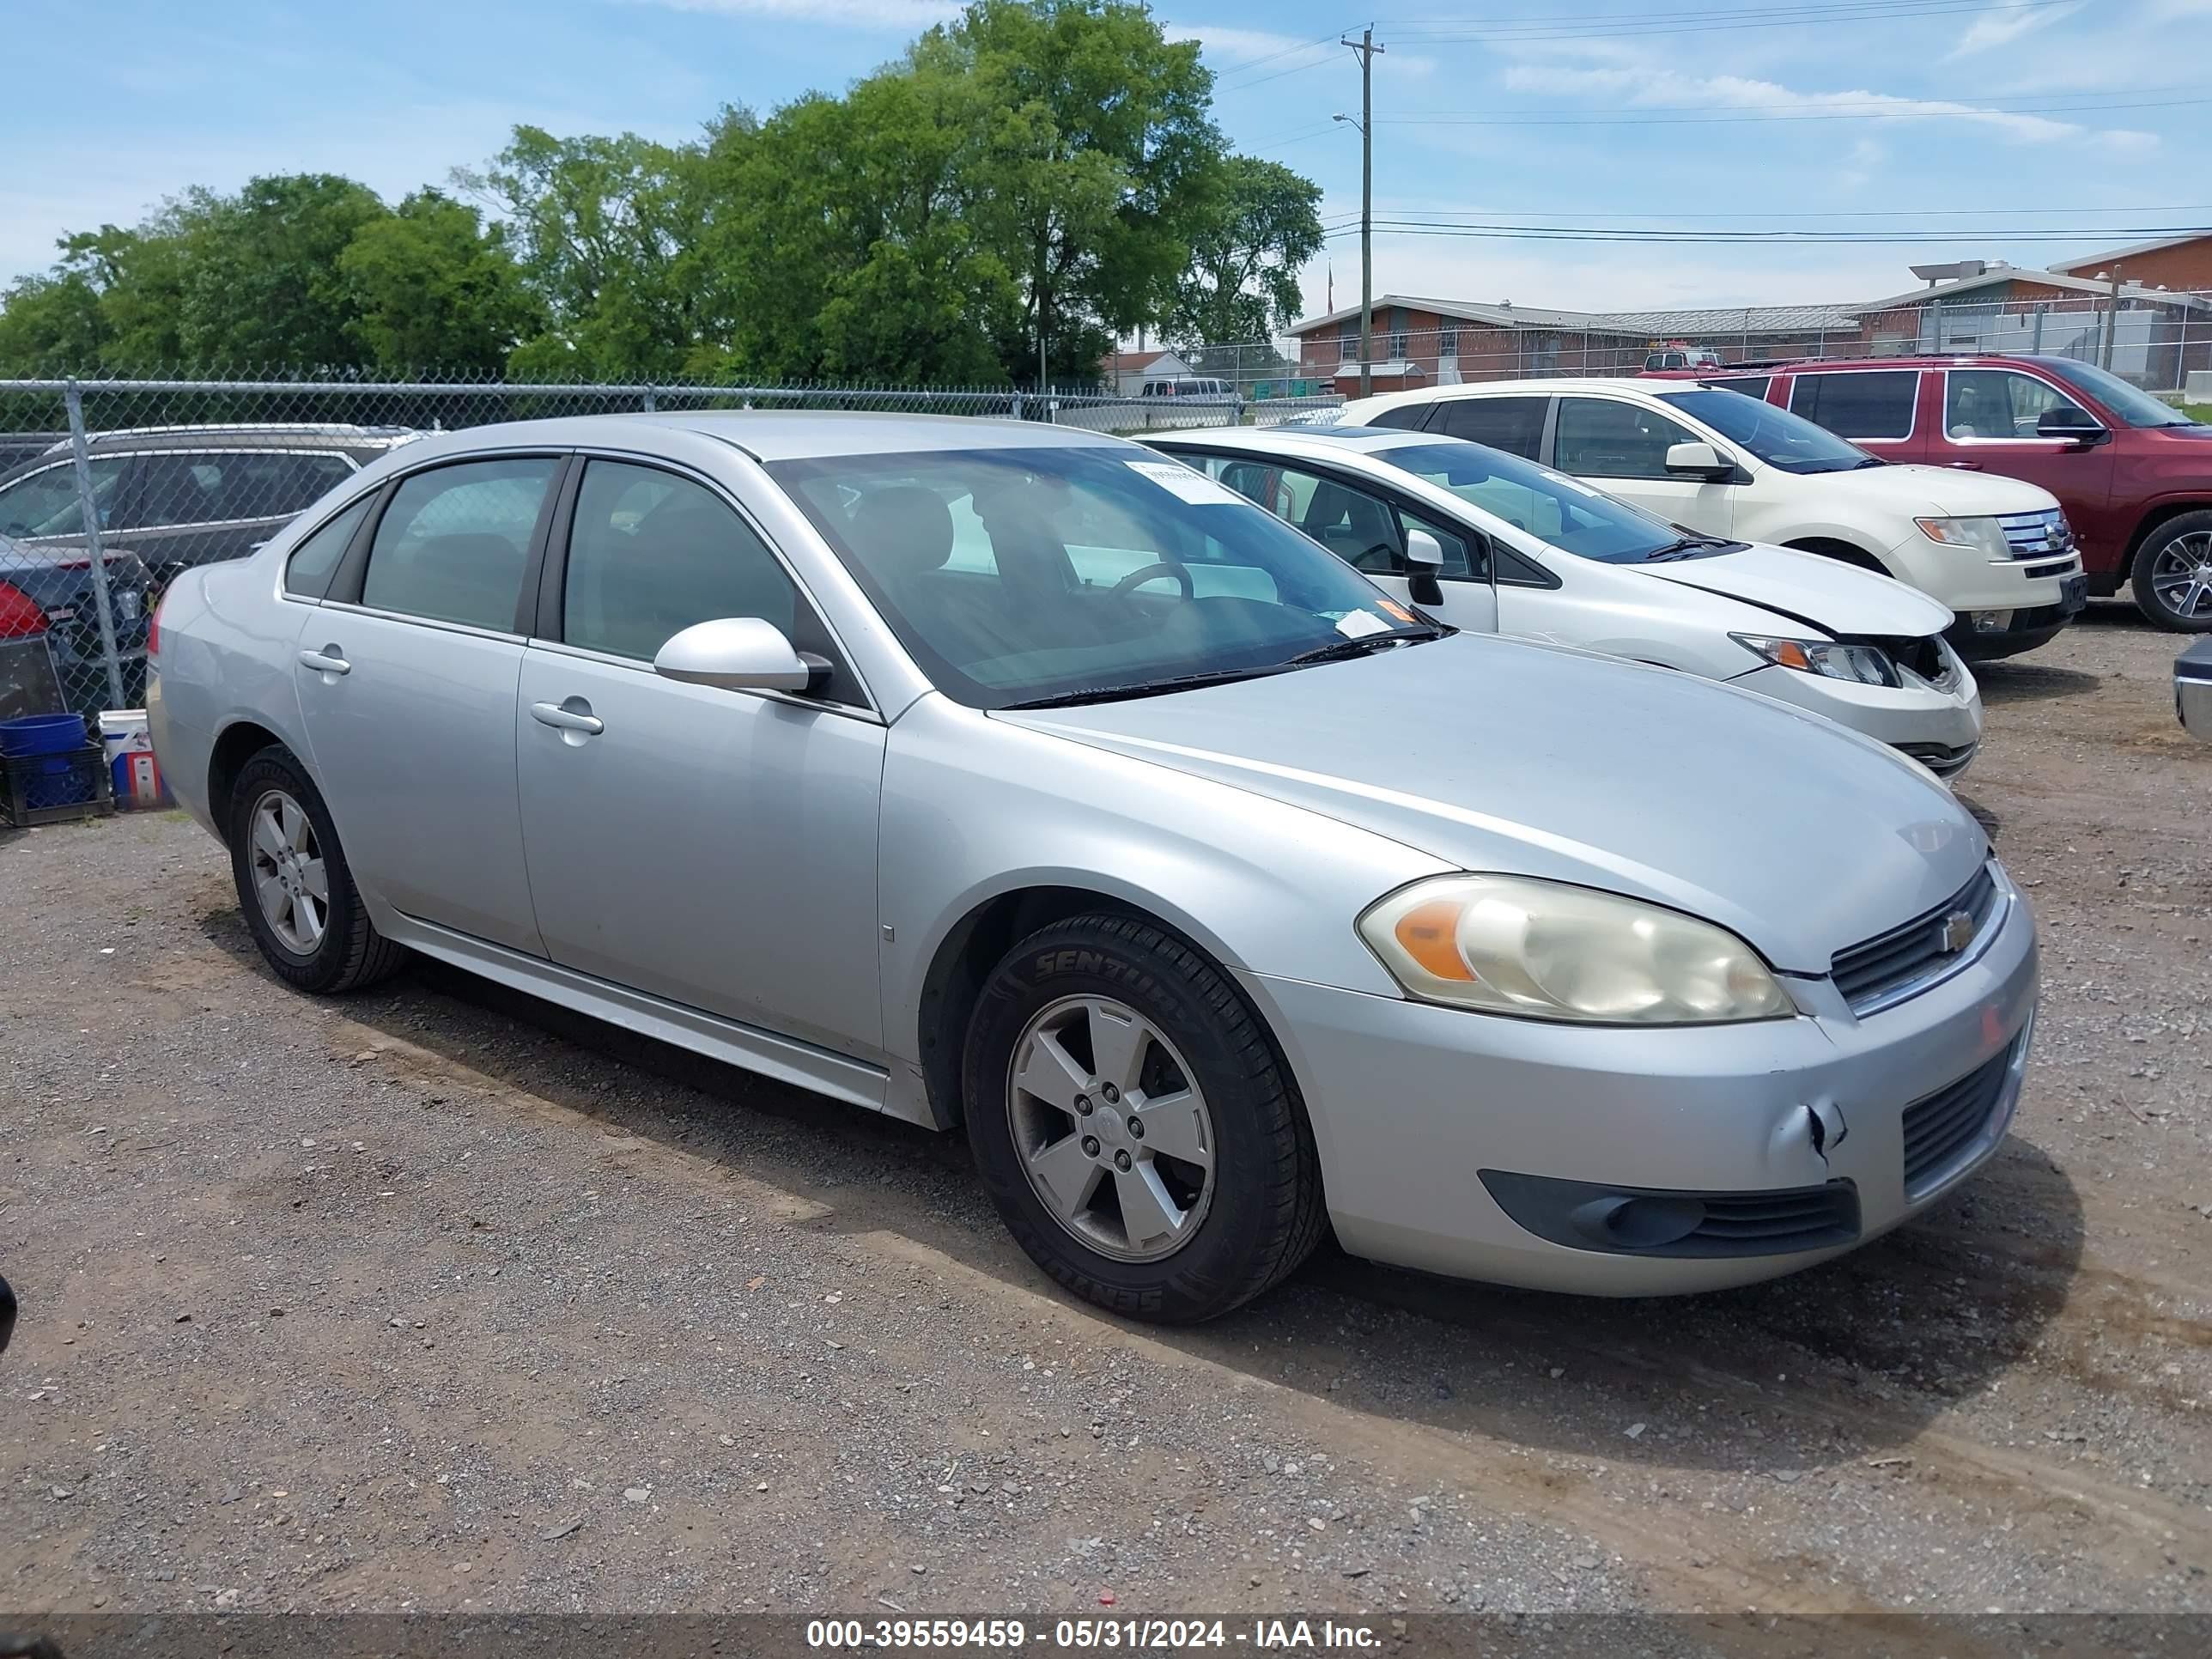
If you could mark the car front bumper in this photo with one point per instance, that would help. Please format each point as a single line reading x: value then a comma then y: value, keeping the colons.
x: 1416, y: 1109
x: 1940, y: 729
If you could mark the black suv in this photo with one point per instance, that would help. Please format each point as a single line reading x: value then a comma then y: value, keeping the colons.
x: 183, y: 495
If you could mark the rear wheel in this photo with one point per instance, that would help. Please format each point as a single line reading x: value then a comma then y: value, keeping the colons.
x: 294, y: 884
x: 2172, y: 575
x: 1134, y: 1124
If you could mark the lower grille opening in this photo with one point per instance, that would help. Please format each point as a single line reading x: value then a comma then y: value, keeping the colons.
x: 1941, y: 1130
x: 1664, y: 1222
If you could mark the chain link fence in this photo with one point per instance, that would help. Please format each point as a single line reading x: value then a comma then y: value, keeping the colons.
x: 2155, y: 337
x: 109, y: 487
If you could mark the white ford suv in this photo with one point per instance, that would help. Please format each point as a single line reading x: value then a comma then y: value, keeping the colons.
x: 1996, y: 550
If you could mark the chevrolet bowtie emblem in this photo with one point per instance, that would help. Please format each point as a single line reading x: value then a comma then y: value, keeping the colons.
x: 1958, y: 931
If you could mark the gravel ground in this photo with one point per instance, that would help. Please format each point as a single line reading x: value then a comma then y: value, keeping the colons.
x: 438, y: 1298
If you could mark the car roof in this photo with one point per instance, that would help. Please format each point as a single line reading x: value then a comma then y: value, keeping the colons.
x: 1948, y: 360
x: 780, y: 435
x: 1319, y: 439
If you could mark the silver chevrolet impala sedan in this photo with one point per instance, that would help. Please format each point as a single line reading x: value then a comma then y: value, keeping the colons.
x: 1024, y: 780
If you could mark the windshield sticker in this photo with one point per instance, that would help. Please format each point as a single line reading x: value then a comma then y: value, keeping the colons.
x: 1193, y: 486
x: 1359, y: 624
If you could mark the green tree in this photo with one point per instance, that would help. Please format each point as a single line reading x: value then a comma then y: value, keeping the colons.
x: 257, y: 277
x: 428, y: 287
x: 1261, y: 224
x: 600, y: 227
x: 1089, y: 176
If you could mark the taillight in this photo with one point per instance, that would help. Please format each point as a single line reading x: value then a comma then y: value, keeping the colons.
x: 21, y: 619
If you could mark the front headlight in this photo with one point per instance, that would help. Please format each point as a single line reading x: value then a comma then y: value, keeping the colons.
x: 1544, y: 950
x: 1866, y: 665
x: 1984, y: 536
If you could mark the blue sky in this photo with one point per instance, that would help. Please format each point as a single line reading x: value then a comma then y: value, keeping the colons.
x: 1973, y: 114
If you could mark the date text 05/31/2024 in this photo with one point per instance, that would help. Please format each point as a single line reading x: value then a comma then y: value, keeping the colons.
x: 1137, y: 1635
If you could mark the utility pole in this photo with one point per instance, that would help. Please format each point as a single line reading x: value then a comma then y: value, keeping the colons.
x: 2112, y: 318
x: 1365, y: 49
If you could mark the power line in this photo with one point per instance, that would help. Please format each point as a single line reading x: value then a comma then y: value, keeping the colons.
x: 1531, y: 29
x: 1445, y: 216
x: 1778, y: 116
x: 1801, y: 238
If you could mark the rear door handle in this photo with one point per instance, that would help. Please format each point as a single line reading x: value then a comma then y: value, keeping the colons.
x: 327, y: 660
x: 564, y: 719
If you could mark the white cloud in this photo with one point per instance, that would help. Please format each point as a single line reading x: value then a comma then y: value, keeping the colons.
x: 910, y: 16
x: 1671, y: 88
x: 2001, y: 27
x: 1860, y: 162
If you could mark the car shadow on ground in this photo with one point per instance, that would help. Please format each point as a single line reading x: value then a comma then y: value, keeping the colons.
x: 1847, y: 1360
x: 2016, y: 681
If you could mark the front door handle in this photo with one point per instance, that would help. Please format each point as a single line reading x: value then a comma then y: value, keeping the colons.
x: 327, y: 660
x: 563, y: 717
x: 1965, y: 466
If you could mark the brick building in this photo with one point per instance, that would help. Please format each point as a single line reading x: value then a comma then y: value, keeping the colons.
x: 2178, y: 262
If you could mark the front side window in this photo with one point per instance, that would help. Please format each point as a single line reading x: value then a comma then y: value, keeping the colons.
x: 1547, y: 505
x: 1782, y: 439
x: 1868, y: 403
x: 46, y: 503
x: 182, y: 487
x: 453, y: 543
x: 1014, y: 576
x: 1603, y: 438
x: 1364, y: 528
x: 2000, y: 403
x: 1515, y: 425
x: 2131, y: 404
x: 307, y: 572
x: 651, y: 553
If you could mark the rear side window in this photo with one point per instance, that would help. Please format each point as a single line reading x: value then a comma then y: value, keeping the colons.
x: 1515, y: 425
x: 452, y: 544
x: 1876, y: 404
x: 307, y: 572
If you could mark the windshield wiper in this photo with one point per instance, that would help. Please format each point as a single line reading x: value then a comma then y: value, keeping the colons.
x: 1871, y: 460
x: 1686, y: 547
x: 1146, y: 688
x: 1337, y: 650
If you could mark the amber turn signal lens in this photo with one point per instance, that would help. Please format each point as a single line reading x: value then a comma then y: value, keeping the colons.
x: 1428, y: 933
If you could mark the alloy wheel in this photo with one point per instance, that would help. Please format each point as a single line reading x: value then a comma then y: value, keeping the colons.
x: 289, y: 877
x: 1111, y: 1128
x: 2181, y: 576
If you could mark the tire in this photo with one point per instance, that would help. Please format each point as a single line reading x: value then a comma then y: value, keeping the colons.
x: 2182, y: 544
x: 1205, y: 1077
x: 345, y: 952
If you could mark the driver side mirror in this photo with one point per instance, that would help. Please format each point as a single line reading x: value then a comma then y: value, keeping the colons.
x: 740, y: 653
x: 2076, y: 425
x: 1423, y: 551
x: 1699, y: 461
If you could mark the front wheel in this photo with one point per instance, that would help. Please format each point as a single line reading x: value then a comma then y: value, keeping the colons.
x: 1134, y: 1126
x: 293, y: 883
x: 2172, y: 575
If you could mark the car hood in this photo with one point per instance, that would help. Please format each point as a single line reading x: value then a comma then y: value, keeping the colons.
x: 1932, y: 491
x: 1500, y: 755
x: 1837, y: 599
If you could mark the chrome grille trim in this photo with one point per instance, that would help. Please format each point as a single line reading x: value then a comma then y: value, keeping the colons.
x: 1892, y: 967
x: 2037, y: 535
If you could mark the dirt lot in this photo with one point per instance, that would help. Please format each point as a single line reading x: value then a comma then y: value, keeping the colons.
x: 436, y: 1299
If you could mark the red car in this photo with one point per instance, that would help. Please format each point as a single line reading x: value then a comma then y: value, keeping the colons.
x: 2133, y: 474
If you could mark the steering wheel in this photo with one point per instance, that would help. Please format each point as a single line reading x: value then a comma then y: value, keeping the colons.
x: 1175, y: 567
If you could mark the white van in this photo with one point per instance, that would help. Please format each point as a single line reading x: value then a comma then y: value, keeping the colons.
x: 1998, y: 551
x: 1191, y: 388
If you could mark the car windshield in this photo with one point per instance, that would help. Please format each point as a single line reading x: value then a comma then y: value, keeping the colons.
x: 1016, y: 576
x: 1782, y: 439
x: 2131, y: 403
x: 1549, y: 506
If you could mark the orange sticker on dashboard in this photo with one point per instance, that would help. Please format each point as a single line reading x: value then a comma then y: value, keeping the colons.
x: 1395, y: 610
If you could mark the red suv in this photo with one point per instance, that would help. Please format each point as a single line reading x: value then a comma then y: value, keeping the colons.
x: 2133, y: 474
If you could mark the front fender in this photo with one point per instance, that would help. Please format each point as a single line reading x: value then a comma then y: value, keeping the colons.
x: 976, y: 808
